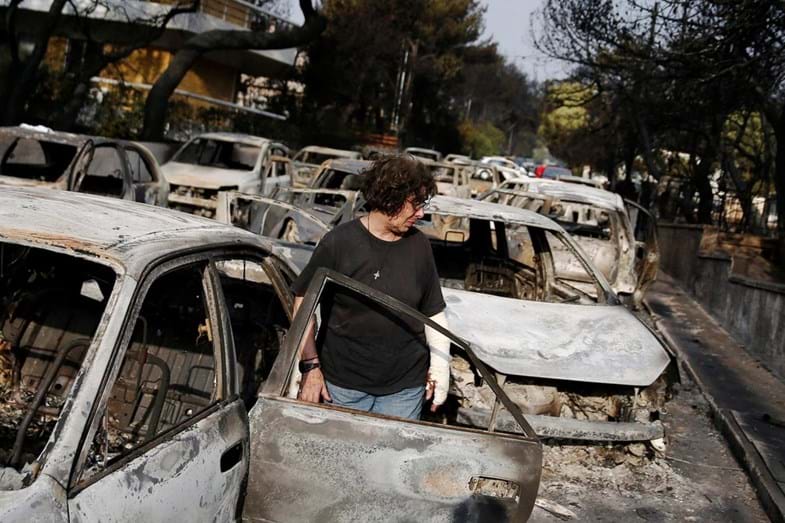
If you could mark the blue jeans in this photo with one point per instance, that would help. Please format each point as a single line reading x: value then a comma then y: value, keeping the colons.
x: 403, y: 404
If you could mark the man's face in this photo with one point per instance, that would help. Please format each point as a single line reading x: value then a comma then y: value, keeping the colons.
x: 412, y: 211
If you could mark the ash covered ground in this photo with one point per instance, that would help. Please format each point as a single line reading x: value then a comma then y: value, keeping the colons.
x: 695, y: 479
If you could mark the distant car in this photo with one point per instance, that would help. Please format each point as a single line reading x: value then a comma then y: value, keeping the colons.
x: 591, y: 182
x: 427, y: 154
x: 215, y: 162
x: 150, y: 374
x: 37, y: 156
x: 458, y: 158
x: 500, y: 161
x: 551, y: 172
x: 308, y: 159
x: 625, y: 252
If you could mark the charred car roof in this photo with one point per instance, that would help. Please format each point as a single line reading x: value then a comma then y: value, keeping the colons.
x: 348, y: 165
x: 449, y: 205
x: 125, y: 234
x: 579, y: 193
x: 49, y: 135
x: 247, y: 139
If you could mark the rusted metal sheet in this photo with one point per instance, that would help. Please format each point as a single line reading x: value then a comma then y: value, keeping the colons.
x: 585, y: 343
x: 312, y: 463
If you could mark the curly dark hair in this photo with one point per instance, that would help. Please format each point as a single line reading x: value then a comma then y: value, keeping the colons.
x: 390, y: 181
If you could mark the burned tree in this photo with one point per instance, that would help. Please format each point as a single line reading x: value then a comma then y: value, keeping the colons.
x: 156, y: 106
x: 684, y: 68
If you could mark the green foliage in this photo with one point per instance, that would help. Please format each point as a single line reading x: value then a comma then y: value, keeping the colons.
x: 353, y: 72
x: 565, y: 112
x: 481, y: 140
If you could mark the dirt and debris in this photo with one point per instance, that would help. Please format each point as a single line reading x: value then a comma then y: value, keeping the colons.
x: 695, y: 479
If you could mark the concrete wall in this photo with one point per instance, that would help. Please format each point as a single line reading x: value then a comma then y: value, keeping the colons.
x: 753, y: 311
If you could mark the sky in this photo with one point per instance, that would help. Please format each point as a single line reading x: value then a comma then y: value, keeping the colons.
x: 508, y: 22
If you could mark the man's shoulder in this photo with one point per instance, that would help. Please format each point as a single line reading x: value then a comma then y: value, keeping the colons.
x: 417, y: 236
x: 343, y: 230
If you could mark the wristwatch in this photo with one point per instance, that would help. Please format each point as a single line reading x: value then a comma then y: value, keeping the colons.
x: 308, y: 366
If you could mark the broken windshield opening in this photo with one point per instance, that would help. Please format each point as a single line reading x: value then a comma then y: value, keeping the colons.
x: 508, y: 260
x: 34, y: 159
x: 220, y: 154
x: 50, y: 307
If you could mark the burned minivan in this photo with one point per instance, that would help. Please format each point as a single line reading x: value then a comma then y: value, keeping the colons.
x: 148, y: 364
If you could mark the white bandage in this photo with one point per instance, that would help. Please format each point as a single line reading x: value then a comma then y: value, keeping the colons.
x: 440, y: 358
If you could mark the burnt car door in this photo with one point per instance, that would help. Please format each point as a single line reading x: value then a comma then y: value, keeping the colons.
x: 277, y: 170
x: 319, y: 462
x: 167, y: 438
x: 106, y: 173
x: 147, y: 184
x: 647, y: 251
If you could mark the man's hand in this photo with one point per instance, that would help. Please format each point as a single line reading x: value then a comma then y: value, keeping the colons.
x: 312, y: 388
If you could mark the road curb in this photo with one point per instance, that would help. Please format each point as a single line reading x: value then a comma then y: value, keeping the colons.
x: 769, y: 492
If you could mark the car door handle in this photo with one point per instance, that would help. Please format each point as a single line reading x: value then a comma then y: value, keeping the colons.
x: 232, y: 456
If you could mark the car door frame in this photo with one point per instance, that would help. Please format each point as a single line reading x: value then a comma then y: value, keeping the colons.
x: 650, y: 257
x: 274, y: 391
x: 229, y: 402
x: 158, y: 186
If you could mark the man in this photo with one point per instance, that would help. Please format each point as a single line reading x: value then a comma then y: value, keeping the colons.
x: 371, y: 359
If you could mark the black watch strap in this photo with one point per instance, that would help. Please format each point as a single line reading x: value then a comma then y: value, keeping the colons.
x: 308, y: 366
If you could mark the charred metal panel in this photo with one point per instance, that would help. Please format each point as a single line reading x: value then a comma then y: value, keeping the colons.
x: 44, y: 500
x: 566, y: 428
x: 179, y: 479
x: 586, y: 343
x: 315, y: 463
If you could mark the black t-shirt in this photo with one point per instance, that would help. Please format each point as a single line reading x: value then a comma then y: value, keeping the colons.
x: 366, y: 347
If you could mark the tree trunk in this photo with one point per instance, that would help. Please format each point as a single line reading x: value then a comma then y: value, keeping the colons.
x: 157, y: 103
x: 779, y: 171
x: 24, y: 79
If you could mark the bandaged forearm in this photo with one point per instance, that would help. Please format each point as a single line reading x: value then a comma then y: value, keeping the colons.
x: 440, y: 358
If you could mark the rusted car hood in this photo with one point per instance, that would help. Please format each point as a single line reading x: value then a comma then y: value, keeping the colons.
x: 205, y: 177
x: 586, y: 343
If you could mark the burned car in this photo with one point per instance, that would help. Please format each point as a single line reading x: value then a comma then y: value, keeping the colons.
x: 293, y: 215
x: 308, y: 159
x: 600, y: 222
x: 215, y: 162
x: 148, y: 363
x: 546, y: 321
x: 38, y: 156
x: 424, y: 154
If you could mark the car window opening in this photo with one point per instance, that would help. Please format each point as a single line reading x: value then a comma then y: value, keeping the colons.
x: 258, y: 319
x: 50, y: 308
x: 34, y: 159
x: 168, y: 374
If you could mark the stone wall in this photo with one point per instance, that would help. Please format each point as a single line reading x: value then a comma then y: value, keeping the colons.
x: 753, y: 311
